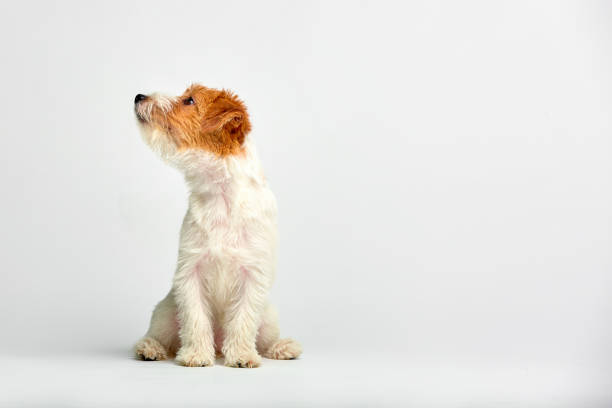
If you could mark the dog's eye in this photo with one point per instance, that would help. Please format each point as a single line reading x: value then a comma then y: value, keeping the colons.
x: 188, y: 101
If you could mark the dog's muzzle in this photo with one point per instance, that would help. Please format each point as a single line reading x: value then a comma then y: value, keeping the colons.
x: 141, y: 111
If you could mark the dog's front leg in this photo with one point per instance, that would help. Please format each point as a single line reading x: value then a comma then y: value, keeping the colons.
x: 243, y: 319
x: 192, y: 304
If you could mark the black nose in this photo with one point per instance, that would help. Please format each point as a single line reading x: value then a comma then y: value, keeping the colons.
x: 140, y: 97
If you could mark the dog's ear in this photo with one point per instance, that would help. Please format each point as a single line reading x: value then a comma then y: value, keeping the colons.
x: 226, y: 123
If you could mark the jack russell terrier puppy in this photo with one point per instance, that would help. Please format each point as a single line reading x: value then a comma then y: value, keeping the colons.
x: 227, y: 254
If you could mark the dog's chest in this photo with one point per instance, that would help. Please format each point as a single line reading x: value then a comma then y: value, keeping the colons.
x: 221, y: 223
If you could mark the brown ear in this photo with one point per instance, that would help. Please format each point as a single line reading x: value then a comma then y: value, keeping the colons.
x: 226, y: 124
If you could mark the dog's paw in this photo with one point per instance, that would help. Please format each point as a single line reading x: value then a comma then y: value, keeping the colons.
x: 242, y: 360
x: 190, y: 357
x: 150, y: 349
x: 284, y: 349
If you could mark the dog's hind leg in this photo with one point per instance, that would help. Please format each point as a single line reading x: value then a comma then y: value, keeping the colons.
x: 161, y: 340
x: 269, y: 343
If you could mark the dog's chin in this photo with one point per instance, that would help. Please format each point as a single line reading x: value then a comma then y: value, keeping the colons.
x: 141, y: 119
x: 157, y: 140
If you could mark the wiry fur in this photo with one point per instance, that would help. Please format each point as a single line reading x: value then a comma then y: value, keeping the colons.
x: 226, y: 264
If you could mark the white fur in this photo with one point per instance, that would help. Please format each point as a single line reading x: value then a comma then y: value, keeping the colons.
x: 226, y: 262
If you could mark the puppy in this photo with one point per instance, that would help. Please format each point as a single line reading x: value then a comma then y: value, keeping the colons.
x: 227, y: 253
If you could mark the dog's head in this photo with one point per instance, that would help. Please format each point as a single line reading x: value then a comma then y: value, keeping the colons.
x: 202, y: 119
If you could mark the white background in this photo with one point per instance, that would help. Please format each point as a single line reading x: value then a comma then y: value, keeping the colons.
x: 443, y: 173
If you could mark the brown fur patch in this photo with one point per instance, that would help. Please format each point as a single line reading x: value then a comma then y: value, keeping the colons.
x: 217, y: 121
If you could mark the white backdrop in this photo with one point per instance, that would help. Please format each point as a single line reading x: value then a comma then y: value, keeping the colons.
x: 443, y: 173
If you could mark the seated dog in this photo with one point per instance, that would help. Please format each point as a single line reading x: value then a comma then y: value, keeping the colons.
x: 227, y: 254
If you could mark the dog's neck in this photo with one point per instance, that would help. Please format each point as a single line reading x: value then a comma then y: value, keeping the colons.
x: 218, y: 185
x: 208, y: 175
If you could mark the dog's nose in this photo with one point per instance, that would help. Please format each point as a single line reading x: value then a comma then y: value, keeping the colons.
x: 140, y: 97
